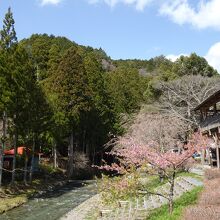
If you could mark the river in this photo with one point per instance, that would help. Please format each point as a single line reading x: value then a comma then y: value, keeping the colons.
x: 53, y: 204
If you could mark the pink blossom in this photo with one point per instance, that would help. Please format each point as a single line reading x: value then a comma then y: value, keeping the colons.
x: 130, y: 153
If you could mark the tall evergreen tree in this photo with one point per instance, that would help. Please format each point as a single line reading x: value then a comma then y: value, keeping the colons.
x: 7, y: 34
x: 7, y: 41
x: 71, y: 91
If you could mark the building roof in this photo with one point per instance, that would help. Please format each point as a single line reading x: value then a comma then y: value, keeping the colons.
x: 20, y: 151
x: 211, y: 100
x: 210, y: 122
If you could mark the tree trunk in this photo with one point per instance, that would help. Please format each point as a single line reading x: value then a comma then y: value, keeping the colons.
x: 32, y: 159
x: 170, y: 206
x: 14, y: 158
x: 171, y: 194
x: 161, y: 175
x: 25, y: 167
x: 55, y: 155
x: 70, y: 157
x: 93, y: 156
x: 2, y: 147
x: 84, y: 142
x: 1, y: 163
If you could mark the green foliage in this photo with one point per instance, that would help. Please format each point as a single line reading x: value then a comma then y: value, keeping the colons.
x: 100, y: 119
x: 76, y: 91
x: 6, y: 93
x: 8, y: 41
x: 193, y: 65
x: 45, y: 50
x: 22, y: 97
x: 7, y: 34
x: 54, y: 86
x: 71, y: 86
x: 119, y: 188
x: 125, y: 88
x: 47, y: 168
x: 28, y: 101
x: 188, y: 198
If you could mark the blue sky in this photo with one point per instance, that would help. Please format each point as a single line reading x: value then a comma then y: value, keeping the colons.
x: 126, y: 28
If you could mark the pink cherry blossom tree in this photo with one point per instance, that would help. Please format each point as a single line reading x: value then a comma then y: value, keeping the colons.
x: 139, y: 147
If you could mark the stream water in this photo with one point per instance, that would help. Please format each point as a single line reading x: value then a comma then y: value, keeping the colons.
x: 53, y: 204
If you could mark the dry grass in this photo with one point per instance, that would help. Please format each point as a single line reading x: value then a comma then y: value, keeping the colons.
x: 212, y: 174
x: 211, y: 193
x: 10, y: 203
x: 202, y: 213
x: 208, y: 207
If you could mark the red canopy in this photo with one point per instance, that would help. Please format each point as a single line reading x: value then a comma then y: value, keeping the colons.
x: 20, y: 151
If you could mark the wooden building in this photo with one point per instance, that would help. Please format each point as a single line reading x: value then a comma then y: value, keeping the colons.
x: 209, y: 125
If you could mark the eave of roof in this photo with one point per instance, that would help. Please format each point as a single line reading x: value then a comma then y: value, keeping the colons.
x: 211, y: 100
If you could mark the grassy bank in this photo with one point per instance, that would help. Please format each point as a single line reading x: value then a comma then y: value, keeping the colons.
x: 188, y: 198
x: 13, y: 202
x: 12, y: 196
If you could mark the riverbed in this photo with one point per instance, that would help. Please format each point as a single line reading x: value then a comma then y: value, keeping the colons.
x: 52, y: 205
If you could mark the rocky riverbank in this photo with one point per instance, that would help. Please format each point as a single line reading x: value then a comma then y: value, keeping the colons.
x: 14, y: 196
x: 54, y: 203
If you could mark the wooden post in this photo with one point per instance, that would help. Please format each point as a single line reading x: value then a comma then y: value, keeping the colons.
x: 203, y: 157
x: 217, y: 155
x: 208, y: 156
x: 217, y: 150
x: 215, y: 108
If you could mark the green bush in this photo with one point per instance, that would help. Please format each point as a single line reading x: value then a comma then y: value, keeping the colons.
x: 119, y: 188
x: 162, y: 213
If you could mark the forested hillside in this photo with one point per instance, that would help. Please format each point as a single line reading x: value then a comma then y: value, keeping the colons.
x: 58, y: 96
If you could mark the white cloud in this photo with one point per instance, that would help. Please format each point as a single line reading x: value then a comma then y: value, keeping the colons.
x: 213, y: 56
x: 204, y: 15
x: 50, y: 2
x: 139, y: 4
x: 174, y: 57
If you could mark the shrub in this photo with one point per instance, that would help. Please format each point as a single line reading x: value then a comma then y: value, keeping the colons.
x: 81, y: 167
x: 119, y: 188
